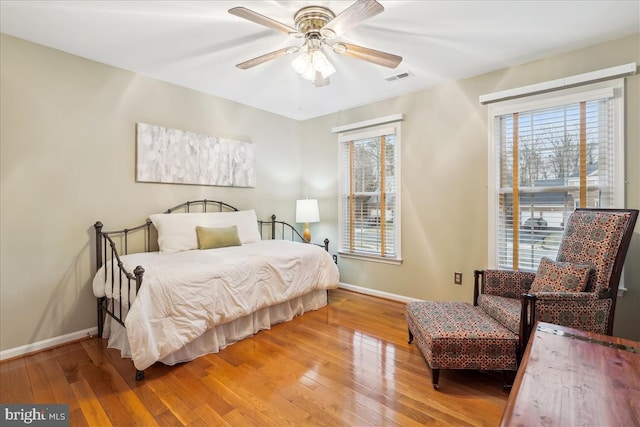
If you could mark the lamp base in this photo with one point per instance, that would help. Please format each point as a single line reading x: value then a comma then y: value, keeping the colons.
x: 306, y: 235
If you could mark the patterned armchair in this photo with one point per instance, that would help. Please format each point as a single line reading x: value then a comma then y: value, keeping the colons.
x: 577, y: 290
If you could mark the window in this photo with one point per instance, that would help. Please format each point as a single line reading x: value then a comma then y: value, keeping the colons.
x: 369, y: 205
x: 551, y: 154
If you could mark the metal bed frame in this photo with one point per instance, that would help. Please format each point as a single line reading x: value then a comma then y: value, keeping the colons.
x: 110, y: 245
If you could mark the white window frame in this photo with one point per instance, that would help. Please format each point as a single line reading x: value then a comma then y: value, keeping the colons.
x: 366, y: 129
x: 586, y: 92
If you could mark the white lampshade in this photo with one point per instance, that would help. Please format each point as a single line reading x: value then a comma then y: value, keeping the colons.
x: 307, y: 211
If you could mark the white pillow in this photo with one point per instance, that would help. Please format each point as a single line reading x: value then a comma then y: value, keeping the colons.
x: 177, y: 231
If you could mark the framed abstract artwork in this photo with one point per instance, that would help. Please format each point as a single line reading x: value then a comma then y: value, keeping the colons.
x: 173, y: 156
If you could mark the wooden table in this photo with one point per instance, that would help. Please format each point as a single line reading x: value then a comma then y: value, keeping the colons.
x: 574, y: 378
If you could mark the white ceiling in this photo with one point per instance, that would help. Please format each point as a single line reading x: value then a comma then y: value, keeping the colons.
x: 196, y: 44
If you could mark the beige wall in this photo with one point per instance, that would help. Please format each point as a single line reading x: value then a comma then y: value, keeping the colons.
x: 444, y: 178
x: 68, y: 159
x: 68, y: 125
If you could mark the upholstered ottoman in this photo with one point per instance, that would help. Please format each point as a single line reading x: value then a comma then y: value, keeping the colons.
x: 458, y: 335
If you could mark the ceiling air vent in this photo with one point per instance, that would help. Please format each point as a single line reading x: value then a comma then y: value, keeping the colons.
x: 400, y: 76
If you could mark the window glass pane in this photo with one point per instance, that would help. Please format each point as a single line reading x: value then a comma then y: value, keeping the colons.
x: 552, y: 157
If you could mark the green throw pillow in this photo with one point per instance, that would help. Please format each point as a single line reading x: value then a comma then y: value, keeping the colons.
x: 217, y: 237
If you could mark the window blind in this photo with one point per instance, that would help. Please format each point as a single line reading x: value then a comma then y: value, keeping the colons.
x: 550, y: 161
x: 369, y: 180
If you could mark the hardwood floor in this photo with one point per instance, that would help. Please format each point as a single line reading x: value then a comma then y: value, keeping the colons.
x: 346, y: 364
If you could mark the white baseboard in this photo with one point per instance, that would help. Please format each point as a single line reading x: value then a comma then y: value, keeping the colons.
x: 376, y: 293
x: 46, y: 344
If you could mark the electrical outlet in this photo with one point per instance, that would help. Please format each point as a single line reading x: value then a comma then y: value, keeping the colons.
x: 457, y: 278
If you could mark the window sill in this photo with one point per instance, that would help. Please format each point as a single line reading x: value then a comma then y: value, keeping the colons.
x: 372, y: 258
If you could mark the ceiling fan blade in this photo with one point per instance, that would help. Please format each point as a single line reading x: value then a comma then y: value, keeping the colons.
x: 351, y: 16
x: 370, y: 55
x: 267, y: 57
x: 252, y: 16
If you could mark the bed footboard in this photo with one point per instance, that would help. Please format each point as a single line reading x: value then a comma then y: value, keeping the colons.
x: 121, y: 280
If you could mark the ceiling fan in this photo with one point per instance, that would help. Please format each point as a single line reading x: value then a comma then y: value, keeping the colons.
x: 318, y: 25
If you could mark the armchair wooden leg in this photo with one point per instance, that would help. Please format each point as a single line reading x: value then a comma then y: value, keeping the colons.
x: 509, y: 377
x: 435, y: 377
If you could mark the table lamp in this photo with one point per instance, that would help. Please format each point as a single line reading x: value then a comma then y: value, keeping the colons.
x: 307, y: 211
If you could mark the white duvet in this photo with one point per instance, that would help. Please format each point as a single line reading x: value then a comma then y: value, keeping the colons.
x: 186, y: 293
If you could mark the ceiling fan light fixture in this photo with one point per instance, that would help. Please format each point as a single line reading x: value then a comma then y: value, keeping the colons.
x: 339, y: 48
x: 317, y: 24
x: 310, y: 63
x: 328, y: 33
x: 320, y: 82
